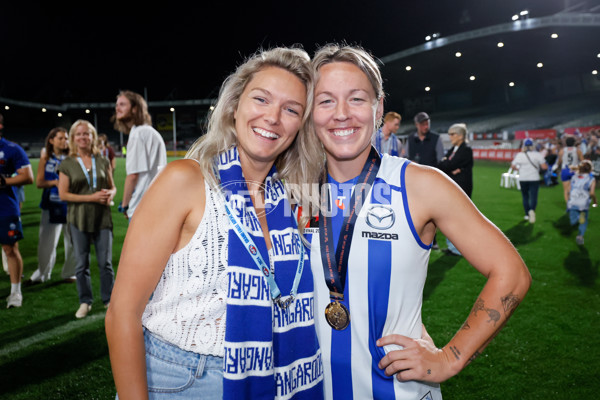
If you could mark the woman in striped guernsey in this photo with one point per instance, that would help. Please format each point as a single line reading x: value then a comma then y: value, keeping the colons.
x: 370, y: 248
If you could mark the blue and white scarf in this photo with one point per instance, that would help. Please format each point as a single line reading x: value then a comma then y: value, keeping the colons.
x: 270, y: 353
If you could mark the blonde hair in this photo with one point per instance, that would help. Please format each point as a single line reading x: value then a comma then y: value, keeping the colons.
x: 91, y: 130
x: 297, y: 162
x: 585, y: 167
x: 391, y: 115
x: 332, y: 53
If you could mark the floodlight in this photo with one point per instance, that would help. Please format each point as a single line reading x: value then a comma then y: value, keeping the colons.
x: 458, y: 54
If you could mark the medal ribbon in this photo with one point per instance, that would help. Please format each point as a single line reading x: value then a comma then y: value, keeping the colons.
x: 335, y: 267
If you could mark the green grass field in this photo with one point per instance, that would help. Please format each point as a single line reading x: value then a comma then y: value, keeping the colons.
x: 550, y: 349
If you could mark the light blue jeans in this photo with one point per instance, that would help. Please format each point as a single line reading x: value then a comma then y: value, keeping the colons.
x: 174, y: 373
x: 574, y: 219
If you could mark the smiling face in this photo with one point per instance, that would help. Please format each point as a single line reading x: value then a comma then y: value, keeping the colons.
x: 344, y: 114
x: 269, y: 115
x: 83, y: 138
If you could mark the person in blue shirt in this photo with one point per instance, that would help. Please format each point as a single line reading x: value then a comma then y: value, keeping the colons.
x: 15, y: 171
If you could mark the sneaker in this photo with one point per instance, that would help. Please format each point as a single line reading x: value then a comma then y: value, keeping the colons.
x: 579, y: 240
x: 526, y: 218
x: 582, y: 217
x: 14, y: 300
x: 531, y: 216
x: 84, y: 309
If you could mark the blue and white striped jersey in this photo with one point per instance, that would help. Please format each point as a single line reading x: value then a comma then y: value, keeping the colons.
x: 386, y: 274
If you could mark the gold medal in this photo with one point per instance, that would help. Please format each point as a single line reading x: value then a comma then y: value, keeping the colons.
x: 337, y: 315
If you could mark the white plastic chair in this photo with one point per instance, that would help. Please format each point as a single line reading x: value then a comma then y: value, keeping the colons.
x: 510, y: 179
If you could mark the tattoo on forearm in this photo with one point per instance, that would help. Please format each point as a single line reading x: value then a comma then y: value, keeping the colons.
x: 474, y: 356
x: 455, y: 351
x: 428, y: 372
x: 510, y: 302
x: 494, y: 315
x: 479, y: 305
x: 466, y: 326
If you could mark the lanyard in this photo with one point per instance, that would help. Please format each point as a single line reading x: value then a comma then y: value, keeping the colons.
x: 87, y: 176
x: 335, y: 267
x: 262, y: 266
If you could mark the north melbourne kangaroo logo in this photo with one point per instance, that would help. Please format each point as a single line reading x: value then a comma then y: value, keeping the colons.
x: 380, y: 217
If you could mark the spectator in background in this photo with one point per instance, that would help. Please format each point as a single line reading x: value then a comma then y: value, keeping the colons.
x: 593, y: 154
x: 569, y: 157
x: 458, y: 165
x: 423, y: 146
x: 581, y: 193
x: 85, y: 182
x: 529, y: 162
x: 15, y: 171
x: 107, y: 151
x: 385, y: 139
x: 54, y: 210
x: 146, y: 151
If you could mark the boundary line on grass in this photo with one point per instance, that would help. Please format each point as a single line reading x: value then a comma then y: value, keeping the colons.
x: 69, y: 326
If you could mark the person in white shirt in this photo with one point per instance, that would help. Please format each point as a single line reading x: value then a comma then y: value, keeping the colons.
x: 529, y: 162
x: 146, y: 151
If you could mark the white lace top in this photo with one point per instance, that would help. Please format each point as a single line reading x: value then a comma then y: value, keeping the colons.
x: 188, y: 305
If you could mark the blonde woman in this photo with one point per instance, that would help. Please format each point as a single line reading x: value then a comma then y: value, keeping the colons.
x: 215, y: 247
x: 85, y: 182
x: 369, y: 285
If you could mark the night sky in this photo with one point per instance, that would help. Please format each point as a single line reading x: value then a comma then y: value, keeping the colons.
x: 57, y: 52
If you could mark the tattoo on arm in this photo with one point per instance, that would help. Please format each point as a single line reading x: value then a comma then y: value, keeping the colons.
x: 510, y: 302
x: 474, y: 356
x: 494, y: 315
x: 466, y: 326
x: 455, y: 351
x: 478, y: 306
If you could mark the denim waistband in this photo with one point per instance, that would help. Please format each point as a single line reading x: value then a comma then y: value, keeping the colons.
x: 171, y: 353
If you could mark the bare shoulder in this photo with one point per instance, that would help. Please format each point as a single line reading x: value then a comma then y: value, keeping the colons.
x: 422, y: 180
x: 184, y: 172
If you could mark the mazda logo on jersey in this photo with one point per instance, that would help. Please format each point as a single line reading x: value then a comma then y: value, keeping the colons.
x: 380, y: 217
